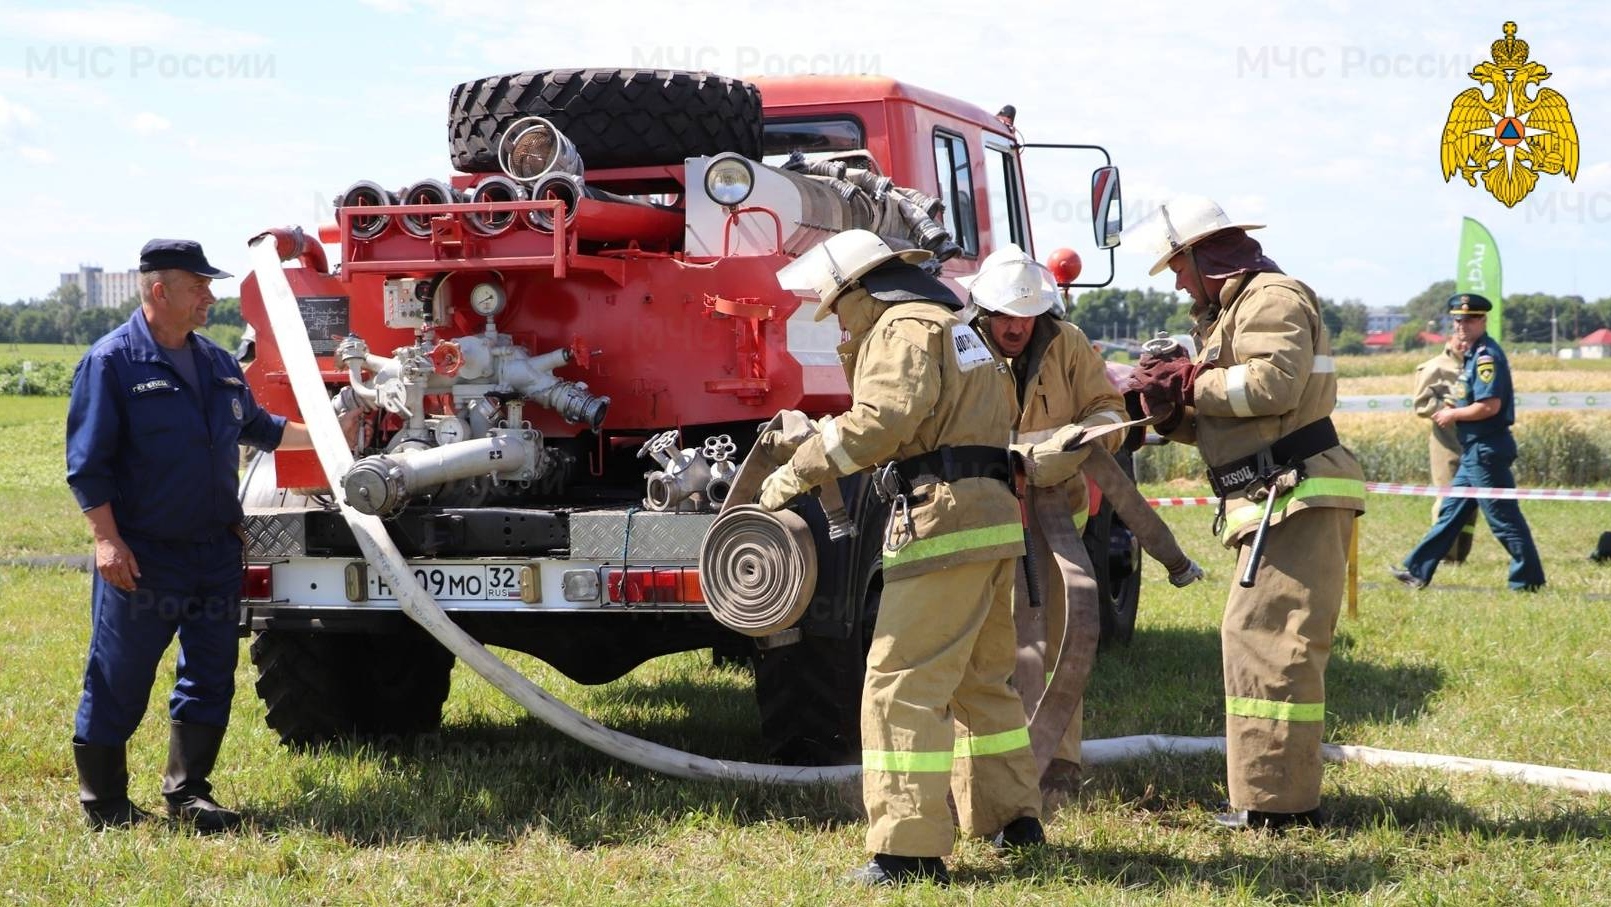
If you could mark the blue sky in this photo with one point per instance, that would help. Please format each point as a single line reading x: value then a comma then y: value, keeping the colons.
x: 120, y: 121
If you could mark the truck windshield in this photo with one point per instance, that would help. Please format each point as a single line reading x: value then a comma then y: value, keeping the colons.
x: 813, y: 138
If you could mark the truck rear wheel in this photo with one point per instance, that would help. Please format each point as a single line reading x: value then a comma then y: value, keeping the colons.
x: 809, y: 693
x: 614, y: 117
x: 1116, y: 561
x: 322, y: 687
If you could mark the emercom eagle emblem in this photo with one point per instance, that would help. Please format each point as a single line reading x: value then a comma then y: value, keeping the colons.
x: 1506, y: 137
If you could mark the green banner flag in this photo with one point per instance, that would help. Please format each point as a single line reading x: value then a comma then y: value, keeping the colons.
x: 1478, y: 271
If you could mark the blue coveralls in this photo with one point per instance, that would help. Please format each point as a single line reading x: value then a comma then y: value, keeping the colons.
x: 1486, y: 451
x: 165, y: 456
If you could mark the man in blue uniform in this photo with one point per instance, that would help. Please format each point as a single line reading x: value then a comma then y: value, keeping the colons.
x: 153, y: 424
x: 1485, y: 410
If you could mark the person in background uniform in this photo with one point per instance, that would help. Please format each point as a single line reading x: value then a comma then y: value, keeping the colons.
x: 1486, y: 409
x: 928, y: 396
x: 1436, y: 383
x: 153, y: 420
x: 1061, y: 381
x: 1257, y: 403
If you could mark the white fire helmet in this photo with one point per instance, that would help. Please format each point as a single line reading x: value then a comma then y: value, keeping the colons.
x: 1177, y: 225
x: 1010, y: 282
x: 831, y: 267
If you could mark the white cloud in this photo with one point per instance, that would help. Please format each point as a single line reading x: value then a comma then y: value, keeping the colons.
x: 148, y: 123
x: 123, y: 25
x: 36, y: 155
x: 14, y: 115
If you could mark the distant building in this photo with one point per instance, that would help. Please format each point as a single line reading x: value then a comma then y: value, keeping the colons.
x: 1384, y: 321
x: 104, y: 289
x: 1595, y: 346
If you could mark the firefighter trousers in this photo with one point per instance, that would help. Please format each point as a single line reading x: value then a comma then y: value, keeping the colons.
x: 1276, y: 639
x: 1070, y: 605
x: 937, y: 712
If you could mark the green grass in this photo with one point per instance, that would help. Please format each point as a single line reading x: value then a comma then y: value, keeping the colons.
x: 496, y: 808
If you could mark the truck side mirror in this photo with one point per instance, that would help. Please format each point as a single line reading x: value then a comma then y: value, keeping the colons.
x: 1107, y: 210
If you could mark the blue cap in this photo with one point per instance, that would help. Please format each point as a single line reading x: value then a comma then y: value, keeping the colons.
x: 1464, y: 304
x: 178, y: 255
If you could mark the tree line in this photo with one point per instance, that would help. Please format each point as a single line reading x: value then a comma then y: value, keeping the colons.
x: 62, y: 317
x: 1110, y: 314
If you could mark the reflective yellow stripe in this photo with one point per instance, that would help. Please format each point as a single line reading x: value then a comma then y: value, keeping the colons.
x: 1280, y: 711
x: 1468, y: 529
x: 1080, y: 520
x: 1308, y: 488
x: 891, y: 761
x: 952, y: 542
x: 993, y: 744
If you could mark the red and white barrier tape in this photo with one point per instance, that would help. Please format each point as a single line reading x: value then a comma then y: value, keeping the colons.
x: 1509, y: 494
x: 1434, y: 491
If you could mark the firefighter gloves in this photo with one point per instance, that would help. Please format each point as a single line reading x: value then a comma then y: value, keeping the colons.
x: 781, y: 487
x: 1171, y: 381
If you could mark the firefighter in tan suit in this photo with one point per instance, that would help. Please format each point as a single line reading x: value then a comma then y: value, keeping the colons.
x: 1436, y: 388
x: 1061, y: 381
x: 929, y: 398
x: 1257, y: 402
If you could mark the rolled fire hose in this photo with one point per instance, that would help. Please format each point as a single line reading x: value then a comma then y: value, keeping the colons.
x: 334, y: 457
x: 759, y: 568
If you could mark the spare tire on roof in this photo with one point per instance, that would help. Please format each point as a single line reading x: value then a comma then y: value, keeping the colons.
x: 615, y: 117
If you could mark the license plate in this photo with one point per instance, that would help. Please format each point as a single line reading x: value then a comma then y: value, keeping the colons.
x: 456, y: 582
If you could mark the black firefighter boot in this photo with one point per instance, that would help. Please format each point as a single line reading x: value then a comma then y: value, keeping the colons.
x: 103, y: 786
x: 192, y: 750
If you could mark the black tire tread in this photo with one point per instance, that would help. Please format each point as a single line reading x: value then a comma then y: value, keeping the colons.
x: 615, y: 117
x: 322, y: 687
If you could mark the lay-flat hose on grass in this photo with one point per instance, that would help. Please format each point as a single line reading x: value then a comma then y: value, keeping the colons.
x: 334, y: 458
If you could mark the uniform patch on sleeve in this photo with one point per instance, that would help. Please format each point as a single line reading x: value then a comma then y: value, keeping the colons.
x: 971, y: 349
x: 1485, y: 369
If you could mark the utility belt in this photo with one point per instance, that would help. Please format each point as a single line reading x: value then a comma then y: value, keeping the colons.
x: 951, y: 464
x: 1286, y: 453
x: 895, y: 481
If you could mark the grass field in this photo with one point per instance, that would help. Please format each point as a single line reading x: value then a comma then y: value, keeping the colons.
x: 496, y: 808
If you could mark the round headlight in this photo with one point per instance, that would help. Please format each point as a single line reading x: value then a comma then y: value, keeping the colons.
x: 729, y: 181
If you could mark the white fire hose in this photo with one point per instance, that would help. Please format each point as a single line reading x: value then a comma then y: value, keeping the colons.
x: 335, y: 459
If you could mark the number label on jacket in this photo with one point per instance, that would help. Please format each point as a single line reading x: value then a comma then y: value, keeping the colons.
x: 970, y: 347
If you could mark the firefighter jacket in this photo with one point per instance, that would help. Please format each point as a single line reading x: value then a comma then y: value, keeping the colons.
x: 1270, y: 373
x: 1061, y: 380
x: 1437, y: 385
x: 920, y: 380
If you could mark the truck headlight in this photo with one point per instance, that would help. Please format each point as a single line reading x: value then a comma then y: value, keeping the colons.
x: 728, y: 181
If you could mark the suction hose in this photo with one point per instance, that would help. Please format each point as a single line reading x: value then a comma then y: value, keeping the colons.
x: 334, y: 457
x: 303, y: 371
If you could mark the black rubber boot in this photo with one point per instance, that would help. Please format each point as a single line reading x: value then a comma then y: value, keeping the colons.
x: 1266, y: 821
x: 1024, y: 831
x: 888, y: 870
x: 192, y: 750
x: 103, y: 786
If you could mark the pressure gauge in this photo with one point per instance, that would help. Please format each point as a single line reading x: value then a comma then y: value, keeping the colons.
x: 450, y: 430
x: 488, y: 299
